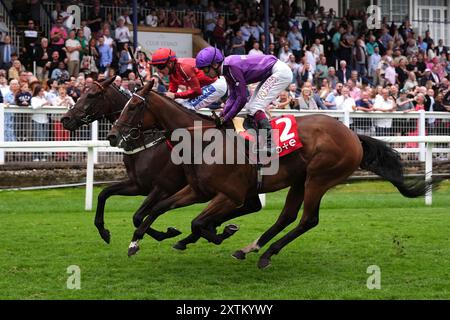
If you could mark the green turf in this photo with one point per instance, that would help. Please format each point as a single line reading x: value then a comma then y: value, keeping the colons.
x: 361, y: 224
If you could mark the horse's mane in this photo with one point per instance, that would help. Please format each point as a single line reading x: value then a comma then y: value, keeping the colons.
x: 185, y: 110
x: 124, y: 94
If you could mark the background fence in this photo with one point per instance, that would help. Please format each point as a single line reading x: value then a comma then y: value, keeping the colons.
x: 19, y: 126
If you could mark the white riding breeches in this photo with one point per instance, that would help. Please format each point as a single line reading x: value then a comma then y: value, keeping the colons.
x: 210, y: 94
x: 268, y: 90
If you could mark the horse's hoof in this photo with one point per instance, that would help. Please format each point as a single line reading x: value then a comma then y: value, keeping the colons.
x: 133, y: 250
x: 173, y: 232
x: 106, y: 235
x: 263, y: 263
x: 239, y: 254
x: 231, y: 229
x: 179, y: 246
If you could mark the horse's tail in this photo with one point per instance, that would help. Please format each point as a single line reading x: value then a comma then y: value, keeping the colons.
x: 379, y: 158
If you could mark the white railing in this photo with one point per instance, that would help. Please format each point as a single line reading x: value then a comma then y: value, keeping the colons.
x: 416, y: 123
x: 90, y: 146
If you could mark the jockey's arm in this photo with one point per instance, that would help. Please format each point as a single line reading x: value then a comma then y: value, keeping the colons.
x: 238, y: 93
x: 188, y: 74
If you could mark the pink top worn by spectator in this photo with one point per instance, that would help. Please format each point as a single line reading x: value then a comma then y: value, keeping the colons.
x: 62, y: 31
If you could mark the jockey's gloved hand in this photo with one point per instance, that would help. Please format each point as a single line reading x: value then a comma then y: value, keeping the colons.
x: 220, y: 121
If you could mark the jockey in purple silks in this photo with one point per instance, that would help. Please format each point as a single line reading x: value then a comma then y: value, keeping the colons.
x: 273, y: 76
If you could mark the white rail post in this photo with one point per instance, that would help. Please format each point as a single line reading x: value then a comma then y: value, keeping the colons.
x: 422, y: 133
x: 94, y: 137
x: 2, y: 132
x: 347, y: 118
x: 89, y: 178
x: 429, y: 172
x: 262, y: 198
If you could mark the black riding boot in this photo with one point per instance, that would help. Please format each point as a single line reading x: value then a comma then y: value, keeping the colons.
x: 268, y: 148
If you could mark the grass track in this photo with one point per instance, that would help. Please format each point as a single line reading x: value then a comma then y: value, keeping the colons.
x: 361, y: 224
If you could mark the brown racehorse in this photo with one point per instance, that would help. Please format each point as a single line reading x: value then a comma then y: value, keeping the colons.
x: 331, y: 153
x: 150, y: 171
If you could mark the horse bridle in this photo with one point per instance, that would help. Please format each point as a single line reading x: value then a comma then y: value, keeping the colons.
x: 88, y: 118
x: 135, y: 132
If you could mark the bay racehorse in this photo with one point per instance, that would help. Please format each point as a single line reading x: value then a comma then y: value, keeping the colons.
x: 150, y: 171
x: 331, y: 152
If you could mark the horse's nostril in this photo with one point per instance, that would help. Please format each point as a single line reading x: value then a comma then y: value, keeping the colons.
x: 112, y: 140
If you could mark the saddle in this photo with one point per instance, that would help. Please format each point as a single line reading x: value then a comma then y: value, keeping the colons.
x: 285, y: 134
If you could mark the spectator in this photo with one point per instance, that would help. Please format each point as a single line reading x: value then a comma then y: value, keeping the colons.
x: 294, y: 67
x: 345, y: 102
x: 83, y: 42
x: 42, y: 60
x: 384, y: 103
x: 238, y: 44
x: 14, y: 71
x: 283, y: 101
x: 343, y: 73
x: 255, y: 50
x: 332, y: 77
x: 411, y: 82
x: 210, y: 23
x: 151, y: 19
x: 8, y: 120
x: 322, y: 70
x: 330, y: 100
x: 30, y: 36
x: 305, y: 101
x: 6, y: 50
x: 309, y: 29
x: 61, y: 134
x: 105, y: 56
x: 174, y: 21
x: 58, y: 36
x: 295, y: 39
x: 360, y: 57
x: 219, y: 34
x: 363, y: 125
x: 73, y: 48
x: 72, y: 89
x: 54, y: 62
x: 126, y: 18
x: 122, y: 34
x: 95, y: 21
x: 40, y: 120
x: 86, y: 30
x: 285, y: 53
x: 53, y: 91
x: 294, y: 95
x: 60, y: 74
x: 125, y: 62
x: 162, y: 18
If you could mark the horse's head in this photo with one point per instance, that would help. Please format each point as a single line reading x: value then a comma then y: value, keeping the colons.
x: 135, y: 118
x: 92, y: 105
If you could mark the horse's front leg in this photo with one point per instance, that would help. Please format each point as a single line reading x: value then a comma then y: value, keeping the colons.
x: 156, y: 195
x: 252, y: 204
x: 182, y: 198
x: 123, y: 188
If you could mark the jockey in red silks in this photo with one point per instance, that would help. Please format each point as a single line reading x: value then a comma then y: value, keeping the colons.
x: 273, y: 76
x: 201, y: 89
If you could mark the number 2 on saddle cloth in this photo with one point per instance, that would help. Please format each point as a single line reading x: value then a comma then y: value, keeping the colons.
x: 284, y: 133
